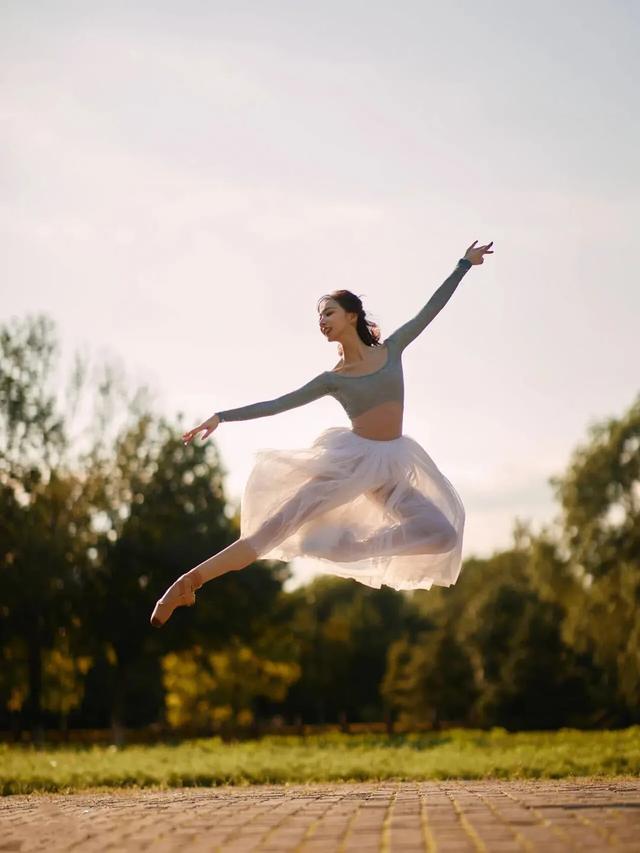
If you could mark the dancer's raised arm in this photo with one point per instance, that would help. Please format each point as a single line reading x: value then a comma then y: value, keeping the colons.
x: 410, y: 330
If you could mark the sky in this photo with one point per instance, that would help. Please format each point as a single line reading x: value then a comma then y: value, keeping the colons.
x: 181, y: 182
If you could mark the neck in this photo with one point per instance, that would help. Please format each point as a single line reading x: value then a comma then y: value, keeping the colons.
x: 353, y: 349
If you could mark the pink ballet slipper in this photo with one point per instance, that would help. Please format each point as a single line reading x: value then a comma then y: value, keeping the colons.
x: 180, y: 594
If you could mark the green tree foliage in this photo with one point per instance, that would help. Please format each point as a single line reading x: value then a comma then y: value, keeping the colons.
x: 342, y: 630
x: 493, y: 655
x: 550, y: 627
x: 43, y: 511
x: 92, y: 531
x: 429, y: 681
x: 63, y: 678
x: 161, y: 508
x: 204, y: 688
x: 529, y: 679
x: 591, y: 567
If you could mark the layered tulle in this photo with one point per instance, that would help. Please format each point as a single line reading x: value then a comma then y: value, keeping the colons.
x: 380, y: 512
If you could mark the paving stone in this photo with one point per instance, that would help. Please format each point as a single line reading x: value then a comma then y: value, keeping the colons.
x: 438, y: 817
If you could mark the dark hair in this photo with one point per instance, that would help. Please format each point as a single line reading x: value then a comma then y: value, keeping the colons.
x: 367, y: 330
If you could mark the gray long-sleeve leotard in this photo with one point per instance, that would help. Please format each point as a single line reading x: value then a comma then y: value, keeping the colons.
x: 357, y: 394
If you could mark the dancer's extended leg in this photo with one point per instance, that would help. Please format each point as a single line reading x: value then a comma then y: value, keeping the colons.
x: 182, y: 592
x: 315, y: 497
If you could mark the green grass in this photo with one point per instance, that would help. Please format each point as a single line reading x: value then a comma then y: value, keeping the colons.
x: 456, y: 753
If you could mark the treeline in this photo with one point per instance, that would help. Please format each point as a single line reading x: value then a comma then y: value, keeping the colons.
x: 102, y: 506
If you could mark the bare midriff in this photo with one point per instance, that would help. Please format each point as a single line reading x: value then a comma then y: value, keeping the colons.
x: 381, y: 423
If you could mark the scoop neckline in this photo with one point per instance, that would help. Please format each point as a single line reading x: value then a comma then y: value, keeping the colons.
x: 364, y: 375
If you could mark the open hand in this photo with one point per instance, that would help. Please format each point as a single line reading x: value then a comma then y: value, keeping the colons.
x: 207, y: 426
x: 475, y: 253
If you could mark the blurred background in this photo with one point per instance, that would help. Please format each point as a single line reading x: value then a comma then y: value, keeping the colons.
x: 181, y: 183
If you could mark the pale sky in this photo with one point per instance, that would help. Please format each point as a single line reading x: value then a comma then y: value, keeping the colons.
x: 181, y: 181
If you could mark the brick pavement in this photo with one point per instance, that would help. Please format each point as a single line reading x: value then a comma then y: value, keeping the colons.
x: 440, y: 816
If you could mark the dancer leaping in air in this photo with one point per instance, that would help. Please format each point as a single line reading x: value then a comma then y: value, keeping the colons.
x: 365, y: 502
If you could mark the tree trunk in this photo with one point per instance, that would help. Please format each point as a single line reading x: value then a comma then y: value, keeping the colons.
x: 436, y: 721
x: 34, y: 700
x: 388, y: 720
x: 118, y: 706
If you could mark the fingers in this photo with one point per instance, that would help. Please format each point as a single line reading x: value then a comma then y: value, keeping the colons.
x: 190, y: 435
x: 485, y: 249
x: 187, y: 437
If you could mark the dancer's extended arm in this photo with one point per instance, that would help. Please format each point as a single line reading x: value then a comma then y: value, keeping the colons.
x: 412, y: 328
x: 315, y: 388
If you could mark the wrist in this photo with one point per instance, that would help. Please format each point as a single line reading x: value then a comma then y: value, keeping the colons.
x: 465, y: 262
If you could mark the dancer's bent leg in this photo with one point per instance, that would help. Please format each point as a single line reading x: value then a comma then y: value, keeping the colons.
x: 424, y: 529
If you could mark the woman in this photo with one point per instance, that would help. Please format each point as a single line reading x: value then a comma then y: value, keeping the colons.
x: 368, y: 502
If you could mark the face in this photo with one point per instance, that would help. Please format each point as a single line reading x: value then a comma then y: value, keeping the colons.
x: 333, y: 319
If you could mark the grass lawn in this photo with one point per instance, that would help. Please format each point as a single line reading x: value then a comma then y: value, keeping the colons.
x: 455, y: 753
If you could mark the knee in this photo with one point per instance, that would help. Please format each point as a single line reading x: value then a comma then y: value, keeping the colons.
x: 443, y: 536
x: 447, y: 536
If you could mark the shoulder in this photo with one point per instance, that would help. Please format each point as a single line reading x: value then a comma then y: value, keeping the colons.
x: 322, y: 379
x: 382, y: 345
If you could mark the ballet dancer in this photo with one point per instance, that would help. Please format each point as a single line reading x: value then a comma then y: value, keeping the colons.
x: 368, y: 502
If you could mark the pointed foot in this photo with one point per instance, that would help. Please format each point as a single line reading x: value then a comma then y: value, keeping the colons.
x: 180, y: 594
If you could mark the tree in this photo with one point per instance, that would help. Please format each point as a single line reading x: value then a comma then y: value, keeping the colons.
x: 592, y: 566
x: 221, y: 687
x: 43, y: 513
x: 430, y: 680
x: 343, y: 630
x: 163, y: 510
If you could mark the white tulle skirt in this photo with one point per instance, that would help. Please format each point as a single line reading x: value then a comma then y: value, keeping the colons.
x: 380, y: 512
